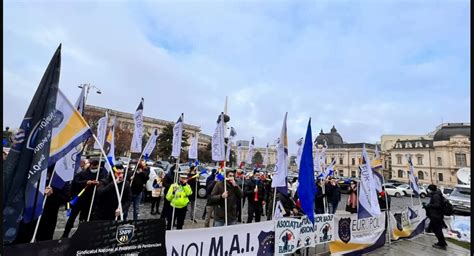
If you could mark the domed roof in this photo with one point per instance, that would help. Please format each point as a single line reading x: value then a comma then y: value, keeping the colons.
x: 450, y: 130
x: 331, y: 138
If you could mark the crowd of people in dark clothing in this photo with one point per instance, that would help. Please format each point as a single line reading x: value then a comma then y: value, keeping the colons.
x: 251, y: 191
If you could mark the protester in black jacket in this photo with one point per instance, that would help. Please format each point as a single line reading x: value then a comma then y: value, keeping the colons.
x: 210, y: 183
x: 138, y: 181
x: 334, y: 195
x: 256, y: 194
x: 233, y: 193
x: 107, y: 207
x: 56, y: 197
x: 192, y: 182
x: 84, y: 179
x: 319, y: 199
x: 210, y: 178
x: 434, y: 211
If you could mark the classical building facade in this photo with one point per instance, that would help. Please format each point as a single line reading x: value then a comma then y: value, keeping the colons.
x: 348, y: 156
x: 125, y: 121
x: 245, y: 149
x: 436, y: 156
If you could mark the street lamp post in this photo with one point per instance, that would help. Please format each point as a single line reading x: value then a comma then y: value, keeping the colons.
x: 88, y: 87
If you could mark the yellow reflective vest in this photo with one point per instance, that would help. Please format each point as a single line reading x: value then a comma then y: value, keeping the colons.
x: 180, y: 199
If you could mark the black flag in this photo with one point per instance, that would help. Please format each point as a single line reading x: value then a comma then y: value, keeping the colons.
x: 24, y: 171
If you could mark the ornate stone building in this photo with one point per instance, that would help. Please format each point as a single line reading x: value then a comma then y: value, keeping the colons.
x: 125, y: 121
x: 436, y: 156
x: 348, y: 156
x: 245, y: 148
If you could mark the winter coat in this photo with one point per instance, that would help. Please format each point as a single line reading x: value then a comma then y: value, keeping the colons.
x: 234, y: 195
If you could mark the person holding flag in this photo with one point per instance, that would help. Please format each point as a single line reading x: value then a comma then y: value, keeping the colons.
x: 255, y: 193
x: 232, y: 194
x: 333, y: 194
x: 107, y: 207
x: 83, y: 180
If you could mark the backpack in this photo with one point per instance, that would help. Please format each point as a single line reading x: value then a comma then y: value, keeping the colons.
x: 448, y: 209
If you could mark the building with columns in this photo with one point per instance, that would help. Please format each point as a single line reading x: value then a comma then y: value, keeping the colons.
x: 348, y: 156
x: 272, y: 154
x: 125, y: 121
x: 436, y: 156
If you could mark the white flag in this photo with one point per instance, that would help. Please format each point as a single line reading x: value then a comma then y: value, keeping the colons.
x: 239, y: 149
x: 218, y: 143
x: 265, y: 158
x: 230, y: 143
x: 368, y: 203
x: 150, y: 145
x: 136, y: 146
x: 177, y: 137
x: 250, y: 152
x: 102, y: 130
x: 298, y: 153
x: 67, y: 165
x: 193, y: 148
x: 279, y: 211
x: 411, y: 176
x: 281, y: 167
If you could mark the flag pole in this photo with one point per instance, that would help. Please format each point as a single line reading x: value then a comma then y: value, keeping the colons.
x: 95, y: 188
x: 225, y: 190
x: 176, y: 170
x: 388, y: 211
x: 113, y: 178
x: 33, y: 239
x: 195, y: 195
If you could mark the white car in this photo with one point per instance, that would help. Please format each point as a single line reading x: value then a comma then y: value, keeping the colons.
x: 408, y: 191
x: 393, y: 191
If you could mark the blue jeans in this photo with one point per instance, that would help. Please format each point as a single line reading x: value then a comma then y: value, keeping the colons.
x: 221, y: 223
x: 333, y: 207
x: 136, y: 199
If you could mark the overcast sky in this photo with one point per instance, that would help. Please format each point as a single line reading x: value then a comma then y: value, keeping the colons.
x: 369, y: 68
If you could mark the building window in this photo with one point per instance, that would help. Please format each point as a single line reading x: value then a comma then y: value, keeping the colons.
x: 341, y: 160
x: 399, y: 159
x: 460, y: 159
x: 440, y: 161
x: 400, y: 173
x: 353, y: 174
x: 390, y: 175
x: 332, y: 159
x: 398, y: 145
x: 418, y: 144
x: 353, y: 161
x: 407, y: 145
x: 440, y: 177
x: 421, y: 175
x: 419, y: 160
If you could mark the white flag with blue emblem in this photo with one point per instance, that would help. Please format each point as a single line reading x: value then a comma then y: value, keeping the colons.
x: 136, y: 146
x: 368, y: 203
x: 218, y: 142
x: 177, y: 137
x: 411, y: 176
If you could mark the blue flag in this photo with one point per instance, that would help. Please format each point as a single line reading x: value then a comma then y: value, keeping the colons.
x: 25, y: 168
x: 306, y: 186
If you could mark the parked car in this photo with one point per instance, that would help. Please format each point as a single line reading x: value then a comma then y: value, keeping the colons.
x: 446, y: 191
x: 162, y: 164
x: 122, y: 160
x: 460, y: 198
x: 392, y: 190
x: 408, y: 191
x: 396, y: 183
